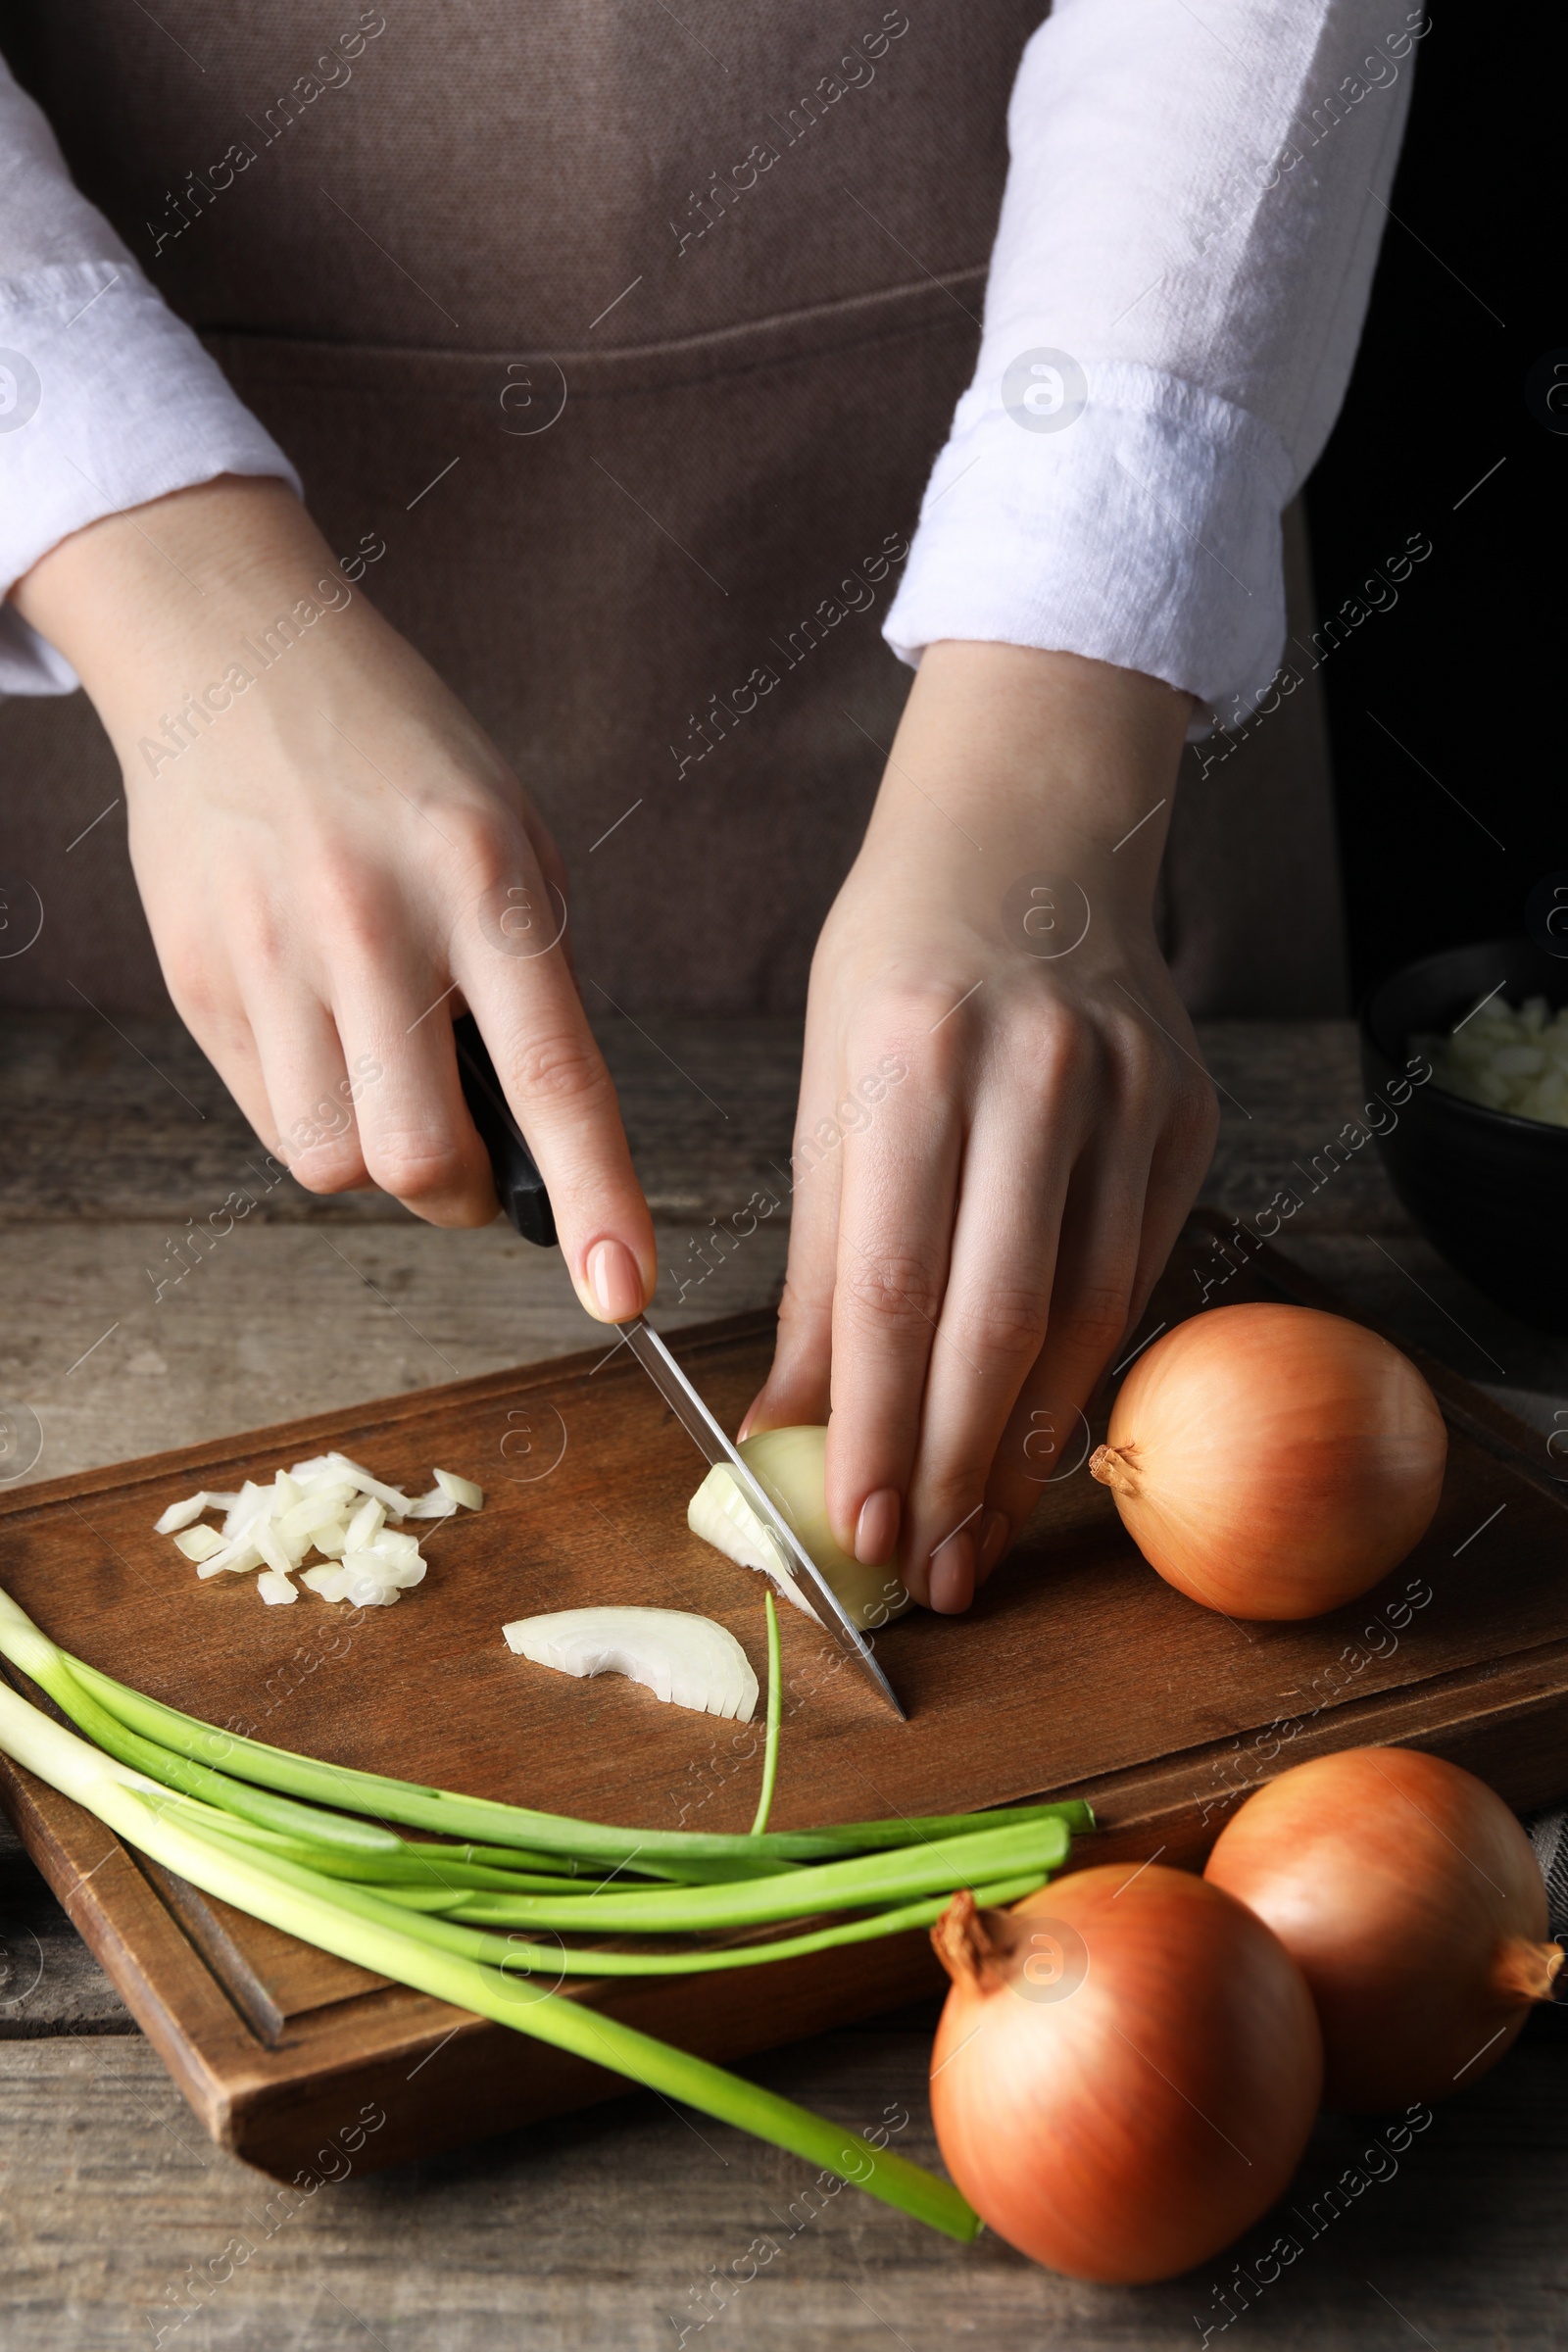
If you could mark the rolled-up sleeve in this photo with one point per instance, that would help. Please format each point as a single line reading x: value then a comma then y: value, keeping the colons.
x: 1193, y: 211
x: 107, y: 400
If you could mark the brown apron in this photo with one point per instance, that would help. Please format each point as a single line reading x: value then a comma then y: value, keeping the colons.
x: 615, y: 343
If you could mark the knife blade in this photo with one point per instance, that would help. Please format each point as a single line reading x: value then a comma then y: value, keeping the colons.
x: 710, y: 1441
x: 523, y: 1195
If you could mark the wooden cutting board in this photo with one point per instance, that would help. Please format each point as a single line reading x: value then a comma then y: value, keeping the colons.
x: 1077, y: 1672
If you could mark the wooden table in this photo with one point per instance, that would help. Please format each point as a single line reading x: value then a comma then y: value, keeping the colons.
x: 614, y: 2227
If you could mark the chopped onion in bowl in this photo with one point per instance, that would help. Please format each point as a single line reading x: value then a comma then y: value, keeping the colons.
x: 1509, y: 1061
x: 684, y: 1659
x: 329, y: 1504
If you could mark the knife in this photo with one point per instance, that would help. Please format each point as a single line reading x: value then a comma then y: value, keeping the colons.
x: 523, y: 1195
x: 796, y: 1562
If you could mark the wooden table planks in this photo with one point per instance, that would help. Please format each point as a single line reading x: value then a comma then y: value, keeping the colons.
x: 610, y: 2231
x: 594, y: 2231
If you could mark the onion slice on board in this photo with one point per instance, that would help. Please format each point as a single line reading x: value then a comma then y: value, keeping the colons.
x: 687, y: 1660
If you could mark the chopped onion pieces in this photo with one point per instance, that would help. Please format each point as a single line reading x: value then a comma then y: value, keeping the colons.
x: 199, y: 1542
x: 366, y: 1524
x: 317, y: 1510
x: 460, y: 1489
x: 434, y: 1505
x: 329, y: 1504
x: 248, y: 1504
x: 393, y: 1497
x: 684, y: 1659
x: 264, y: 1538
x: 181, y: 1514
x: 328, y: 1581
x: 241, y: 1555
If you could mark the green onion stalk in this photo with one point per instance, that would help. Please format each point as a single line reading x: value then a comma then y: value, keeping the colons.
x: 483, y: 1820
x: 775, y: 1716
x: 147, y: 1815
x: 247, y: 1823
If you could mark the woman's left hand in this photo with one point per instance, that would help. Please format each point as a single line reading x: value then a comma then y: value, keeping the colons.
x: 1003, y: 1118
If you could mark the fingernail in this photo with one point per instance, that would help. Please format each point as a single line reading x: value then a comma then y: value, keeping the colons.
x: 614, y: 1281
x: 953, y: 1573
x: 877, y: 1531
x: 994, y: 1529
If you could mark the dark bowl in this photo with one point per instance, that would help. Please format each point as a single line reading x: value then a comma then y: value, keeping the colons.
x: 1488, y: 1189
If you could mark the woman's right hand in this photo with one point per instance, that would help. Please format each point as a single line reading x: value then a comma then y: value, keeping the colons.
x: 334, y: 858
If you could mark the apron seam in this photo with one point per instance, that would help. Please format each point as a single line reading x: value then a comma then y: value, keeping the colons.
x: 729, y: 350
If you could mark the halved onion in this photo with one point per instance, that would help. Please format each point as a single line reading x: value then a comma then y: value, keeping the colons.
x: 684, y: 1659
x: 790, y: 1465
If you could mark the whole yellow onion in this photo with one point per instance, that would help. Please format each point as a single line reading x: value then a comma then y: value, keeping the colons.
x: 1273, y: 1462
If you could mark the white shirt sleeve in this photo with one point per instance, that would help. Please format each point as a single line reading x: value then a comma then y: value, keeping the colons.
x: 1193, y: 211
x: 107, y: 400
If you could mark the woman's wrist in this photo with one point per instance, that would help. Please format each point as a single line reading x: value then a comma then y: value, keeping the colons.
x: 1033, y: 759
x: 157, y: 602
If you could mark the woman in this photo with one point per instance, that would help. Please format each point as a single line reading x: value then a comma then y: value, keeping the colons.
x: 739, y: 258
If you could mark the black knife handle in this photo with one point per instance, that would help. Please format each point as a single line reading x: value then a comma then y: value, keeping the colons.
x: 519, y: 1182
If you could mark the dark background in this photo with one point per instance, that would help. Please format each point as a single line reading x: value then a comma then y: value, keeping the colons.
x: 1465, y: 669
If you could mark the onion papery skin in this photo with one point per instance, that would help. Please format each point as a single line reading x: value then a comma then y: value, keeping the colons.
x: 1272, y: 1461
x: 1130, y: 2126
x: 1412, y: 1900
